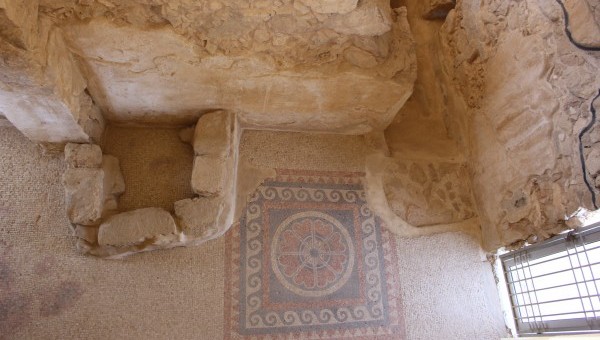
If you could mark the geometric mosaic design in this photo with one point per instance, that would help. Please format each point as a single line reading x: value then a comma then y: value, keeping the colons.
x: 309, y: 260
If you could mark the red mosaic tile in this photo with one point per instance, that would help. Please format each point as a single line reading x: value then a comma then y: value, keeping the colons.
x: 309, y: 260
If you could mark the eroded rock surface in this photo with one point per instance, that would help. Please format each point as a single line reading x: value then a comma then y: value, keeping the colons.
x: 42, y: 92
x: 210, y: 175
x: 200, y: 217
x: 84, y: 195
x: 212, y: 135
x: 426, y: 193
x: 342, y: 66
x: 93, y: 182
x: 83, y: 155
x: 527, y: 91
x: 490, y: 130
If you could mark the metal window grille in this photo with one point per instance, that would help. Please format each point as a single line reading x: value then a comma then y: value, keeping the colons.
x: 554, y: 285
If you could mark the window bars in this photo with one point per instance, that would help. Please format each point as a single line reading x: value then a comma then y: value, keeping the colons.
x: 554, y: 285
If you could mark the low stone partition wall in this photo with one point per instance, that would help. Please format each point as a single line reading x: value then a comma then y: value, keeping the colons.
x: 93, y: 183
x: 216, y: 140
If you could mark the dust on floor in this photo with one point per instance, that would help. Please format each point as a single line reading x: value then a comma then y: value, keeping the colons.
x: 47, y: 290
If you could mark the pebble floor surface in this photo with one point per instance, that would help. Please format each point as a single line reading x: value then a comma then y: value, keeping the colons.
x: 48, y: 291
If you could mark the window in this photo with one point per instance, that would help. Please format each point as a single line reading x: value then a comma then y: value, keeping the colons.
x: 554, y: 285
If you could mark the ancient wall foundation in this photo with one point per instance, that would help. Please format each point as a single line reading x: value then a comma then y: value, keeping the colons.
x: 93, y: 183
x: 480, y: 114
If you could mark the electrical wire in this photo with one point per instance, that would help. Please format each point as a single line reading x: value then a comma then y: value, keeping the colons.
x: 589, y: 126
x: 568, y: 30
x: 581, y: 157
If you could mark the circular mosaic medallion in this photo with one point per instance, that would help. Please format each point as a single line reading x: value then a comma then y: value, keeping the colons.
x: 312, y: 254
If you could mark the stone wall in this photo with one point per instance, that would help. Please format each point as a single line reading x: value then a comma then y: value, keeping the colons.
x: 425, y: 193
x: 343, y: 66
x: 486, y: 106
x: 42, y: 91
x: 426, y: 181
x: 93, y: 183
x: 527, y: 92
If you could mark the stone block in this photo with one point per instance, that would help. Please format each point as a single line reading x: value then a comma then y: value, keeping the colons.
x: 83, y: 155
x: 199, y: 217
x: 331, y: 6
x: 209, y: 175
x: 135, y: 226
x: 114, y: 184
x: 91, y: 119
x: 83, y: 246
x: 90, y: 234
x: 186, y: 135
x: 84, y: 195
x: 212, y: 136
x: 111, y: 206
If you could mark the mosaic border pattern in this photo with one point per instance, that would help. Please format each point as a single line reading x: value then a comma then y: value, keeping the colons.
x: 249, y: 314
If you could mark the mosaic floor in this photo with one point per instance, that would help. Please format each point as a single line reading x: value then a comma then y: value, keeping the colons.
x: 309, y: 260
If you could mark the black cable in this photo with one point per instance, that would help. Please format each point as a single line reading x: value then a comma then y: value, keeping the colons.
x: 588, y: 127
x: 568, y: 30
x: 581, y: 157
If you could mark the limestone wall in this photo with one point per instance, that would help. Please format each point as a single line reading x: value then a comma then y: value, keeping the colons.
x: 343, y: 66
x: 486, y: 106
x: 426, y: 180
x: 94, y: 183
x: 42, y: 91
x: 527, y: 92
